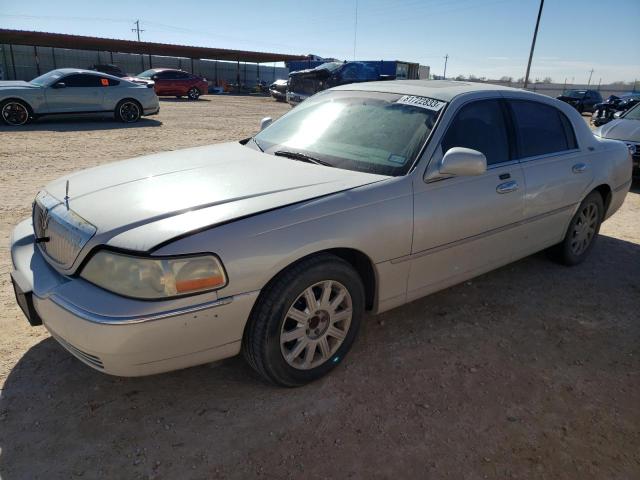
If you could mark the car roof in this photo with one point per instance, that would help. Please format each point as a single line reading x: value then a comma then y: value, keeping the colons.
x: 444, y: 90
x: 67, y: 71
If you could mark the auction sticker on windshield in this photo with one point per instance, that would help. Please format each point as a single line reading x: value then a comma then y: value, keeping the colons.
x: 422, y: 102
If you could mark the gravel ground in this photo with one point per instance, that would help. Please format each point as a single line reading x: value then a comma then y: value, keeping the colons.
x: 531, y: 371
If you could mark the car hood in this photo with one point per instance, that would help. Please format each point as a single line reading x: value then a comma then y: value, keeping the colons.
x: 13, y: 84
x: 173, y: 193
x: 621, y: 129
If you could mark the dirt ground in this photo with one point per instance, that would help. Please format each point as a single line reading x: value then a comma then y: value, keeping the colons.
x: 531, y: 371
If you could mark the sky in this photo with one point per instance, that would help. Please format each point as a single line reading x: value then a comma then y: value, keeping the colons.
x: 486, y: 38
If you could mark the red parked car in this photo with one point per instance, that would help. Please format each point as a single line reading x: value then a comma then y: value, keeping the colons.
x: 169, y: 81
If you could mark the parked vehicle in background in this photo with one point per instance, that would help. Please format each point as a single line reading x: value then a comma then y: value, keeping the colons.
x: 74, y: 91
x: 581, y: 100
x: 304, y: 83
x: 169, y: 82
x: 278, y: 90
x: 627, y: 129
x: 613, y: 106
x: 110, y: 69
x: 363, y: 198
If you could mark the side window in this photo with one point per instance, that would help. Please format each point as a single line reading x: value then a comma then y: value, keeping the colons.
x: 540, y: 129
x: 111, y: 82
x: 81, y: 80
x: 167, y: 75
x: 350, y: 73
x: 480, y: 126
x: 181, y: 75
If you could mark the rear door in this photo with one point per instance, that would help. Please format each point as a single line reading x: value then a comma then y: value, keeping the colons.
x: 556, y: 171
x: 78, y: 92
x: 182, y: 82
x: 165, y: 82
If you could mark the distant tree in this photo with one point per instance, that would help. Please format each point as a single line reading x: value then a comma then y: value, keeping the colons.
x: 461, y: 77
x: 520, y: 80
x: 547, y: 80
x: 473, y: 78
x: 483, y: 79
x: 506, y: 79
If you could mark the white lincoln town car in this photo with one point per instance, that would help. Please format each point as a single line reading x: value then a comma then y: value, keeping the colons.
x: 363, y: 198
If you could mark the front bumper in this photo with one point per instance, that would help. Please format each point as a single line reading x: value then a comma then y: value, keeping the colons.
x: 123, y: 336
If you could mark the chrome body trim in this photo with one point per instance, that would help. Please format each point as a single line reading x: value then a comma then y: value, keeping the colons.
x: 107, y: 320
x: 488, y: 233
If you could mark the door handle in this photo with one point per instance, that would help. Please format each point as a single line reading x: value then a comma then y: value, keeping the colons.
x: 579, y: 168
x: 507, y: 187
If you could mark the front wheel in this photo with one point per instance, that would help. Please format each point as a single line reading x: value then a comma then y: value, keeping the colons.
x: 128, y: 111
x: 193, y: 93
x: 305, y: 321
x: 15, y: 113
x: 582, y: 232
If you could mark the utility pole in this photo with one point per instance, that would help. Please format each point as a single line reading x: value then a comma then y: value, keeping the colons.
x: 533, y: 45
x: 590, y: 74
x: 446, y: 57
x: 355, y: 32
x: 137, y: 29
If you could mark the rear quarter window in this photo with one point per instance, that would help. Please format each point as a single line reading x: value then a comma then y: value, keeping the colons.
x: 541, y: 129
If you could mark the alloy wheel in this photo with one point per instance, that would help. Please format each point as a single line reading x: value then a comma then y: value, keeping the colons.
x: 194, y: 93
x: 129, y: 112
x: 316, y: 325
x: 15, y: 113
x: 584, y: 228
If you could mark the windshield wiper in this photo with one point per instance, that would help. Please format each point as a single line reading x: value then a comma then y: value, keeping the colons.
x: 303, y: 157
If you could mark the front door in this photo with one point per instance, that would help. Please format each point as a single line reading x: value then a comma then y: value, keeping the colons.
x: 464, y: 226
x: 76, y: 93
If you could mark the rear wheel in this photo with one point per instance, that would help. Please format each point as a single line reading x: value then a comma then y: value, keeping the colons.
x: 15, y: 113
x: 128, y: 111
x: 305, y: 321
x: 193, y: 93
x: 582, y: 232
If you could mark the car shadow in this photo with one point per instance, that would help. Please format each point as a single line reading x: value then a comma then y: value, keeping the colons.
x: 79, y: 124
x: 53, y: 405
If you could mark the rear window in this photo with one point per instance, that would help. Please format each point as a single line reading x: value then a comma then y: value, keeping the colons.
x: 541, y: 129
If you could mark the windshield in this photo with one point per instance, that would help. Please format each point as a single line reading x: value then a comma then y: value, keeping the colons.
x: 47, y: 79
x: 331, y: 66
x: 372, y: 132
x: 147, y: 74
x: 576, y: 93
x: 633, y: 114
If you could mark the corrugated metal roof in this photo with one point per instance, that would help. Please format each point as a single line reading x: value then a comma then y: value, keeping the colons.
x: 59, y: 40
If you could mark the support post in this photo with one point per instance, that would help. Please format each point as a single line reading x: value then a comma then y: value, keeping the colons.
x: 111, y: 57
x: 150, y: 62
x: 13, y: 62
x: 35, y: 53
x: 238, y: 74
x: 192, y: 65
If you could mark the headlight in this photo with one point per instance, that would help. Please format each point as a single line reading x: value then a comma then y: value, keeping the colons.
x: 154, y: 278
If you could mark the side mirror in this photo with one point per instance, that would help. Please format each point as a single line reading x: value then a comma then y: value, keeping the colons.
x: 461, y: 161
x: 154, y: 77
x: 59, y: 85
x: 617, y: 114
x: 265, y: 122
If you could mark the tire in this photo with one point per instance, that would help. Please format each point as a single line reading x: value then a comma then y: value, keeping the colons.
x: 193, y: 93
x: 582, y: 232
x: 290, y: 351
x: 128, y: 111
x: 15, y: 113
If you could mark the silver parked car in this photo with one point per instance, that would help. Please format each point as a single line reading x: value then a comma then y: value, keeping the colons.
x: 72, y: 91
x: 626, y: 127
x: 363, y: 198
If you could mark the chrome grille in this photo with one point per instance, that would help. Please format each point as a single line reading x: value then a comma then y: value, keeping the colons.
x: 60, y: 232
